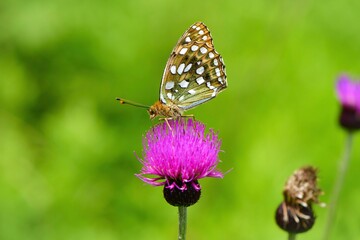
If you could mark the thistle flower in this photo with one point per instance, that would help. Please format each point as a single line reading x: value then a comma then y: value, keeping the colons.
x: 349, y: 96
x: 295, y: 214
x: 177, y: 153
x: 348, y: 93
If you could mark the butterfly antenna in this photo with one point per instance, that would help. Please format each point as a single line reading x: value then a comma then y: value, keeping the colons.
x: 123, y: 101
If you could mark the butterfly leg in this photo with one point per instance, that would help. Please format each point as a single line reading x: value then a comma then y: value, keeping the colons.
x: 167, y: 122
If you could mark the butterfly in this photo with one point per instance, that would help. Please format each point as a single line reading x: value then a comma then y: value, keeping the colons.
x: 194, y: 74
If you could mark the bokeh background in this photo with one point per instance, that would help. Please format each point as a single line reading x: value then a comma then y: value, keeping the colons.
x: 67, y: 147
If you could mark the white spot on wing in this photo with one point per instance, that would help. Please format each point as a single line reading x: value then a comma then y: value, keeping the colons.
x: 173, y: 69
x: 169, y: 85
x: 201, y: 32
x: 188, y: 39
x: 211, y: 55
x: 200, y: 70
x: 170, y: 96
x: 220, y: 80
x: 214, y: 93
x: 194, y: 48
x: 183, y: 51
x: 162, y: 99
x: 192, y: 91
x: 181, y: 68
x: 216, y: 63
x: 217, y: 71
x: 200, y: 80
x: 194, y: 26
x: 203, y: 50
x: 198, y: 28
x: 181, y: 98
x: 184, y: 84
x: 204, y: 38
x: 187, y: 67
x: 208, y: 84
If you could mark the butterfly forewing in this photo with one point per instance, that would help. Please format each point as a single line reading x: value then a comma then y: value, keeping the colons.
x: 195, y: 72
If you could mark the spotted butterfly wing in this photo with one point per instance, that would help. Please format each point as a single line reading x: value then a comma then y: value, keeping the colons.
x: 195, y: 71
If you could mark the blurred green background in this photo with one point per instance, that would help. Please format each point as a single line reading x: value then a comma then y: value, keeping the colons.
x: 67, y: 147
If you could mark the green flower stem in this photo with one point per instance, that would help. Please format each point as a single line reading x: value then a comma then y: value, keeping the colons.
x: 182, y: 222
x: 338, y: 185
x: 292, y: 236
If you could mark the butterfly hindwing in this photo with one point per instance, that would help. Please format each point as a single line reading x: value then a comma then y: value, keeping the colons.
x: 195, y: 72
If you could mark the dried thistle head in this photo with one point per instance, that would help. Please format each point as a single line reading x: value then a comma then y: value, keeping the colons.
x: 301, y: 188
x: 295, y: 214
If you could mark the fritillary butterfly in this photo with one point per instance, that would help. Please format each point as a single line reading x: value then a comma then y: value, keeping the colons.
x: 194, y: 74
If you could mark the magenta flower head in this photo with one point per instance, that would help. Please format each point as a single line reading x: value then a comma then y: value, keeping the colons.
x: 177, y: 153
x: 349, y: 96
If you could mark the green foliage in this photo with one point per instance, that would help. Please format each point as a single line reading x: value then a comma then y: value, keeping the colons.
x: 67, y: 147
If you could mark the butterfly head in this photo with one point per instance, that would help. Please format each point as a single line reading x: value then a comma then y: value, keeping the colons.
x: 152, y: 112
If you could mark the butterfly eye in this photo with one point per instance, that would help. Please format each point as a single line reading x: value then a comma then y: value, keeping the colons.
x: 152, y: 112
